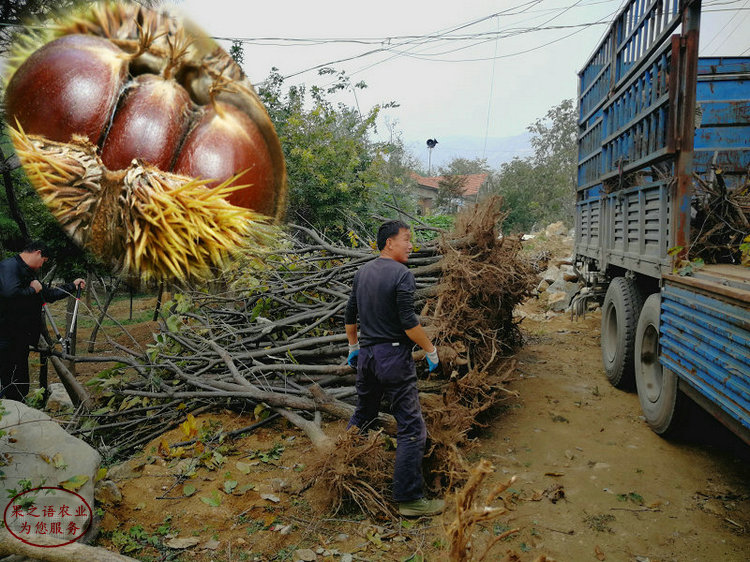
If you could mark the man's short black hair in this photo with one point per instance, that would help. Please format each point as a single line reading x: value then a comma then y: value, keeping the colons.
x: 388, y: 230
x: 34, y: 245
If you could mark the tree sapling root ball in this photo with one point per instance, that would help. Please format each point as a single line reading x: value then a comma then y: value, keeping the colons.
x: 145, y: 140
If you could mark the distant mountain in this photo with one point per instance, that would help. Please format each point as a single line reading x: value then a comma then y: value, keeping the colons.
x: 499, y: 149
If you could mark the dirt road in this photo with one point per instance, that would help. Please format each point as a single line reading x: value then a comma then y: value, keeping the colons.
x: 628, y: 494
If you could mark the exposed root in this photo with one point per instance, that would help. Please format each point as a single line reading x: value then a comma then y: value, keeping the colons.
x: 356, y: 471
x: 470, y: 513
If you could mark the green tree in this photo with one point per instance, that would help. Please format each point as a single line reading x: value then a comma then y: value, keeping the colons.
x: 554, y: 140
x: 450, y: 192
x: 541, y: 189
x: 331, y: 163
x: 237, y: 52
x: 465, y: 167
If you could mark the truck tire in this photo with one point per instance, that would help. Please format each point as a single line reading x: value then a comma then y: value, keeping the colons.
x: 662, y: 402
x: 620, y: 311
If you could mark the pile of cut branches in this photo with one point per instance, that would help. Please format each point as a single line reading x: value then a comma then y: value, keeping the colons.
x: 271, y: 336
x: 722, y: 220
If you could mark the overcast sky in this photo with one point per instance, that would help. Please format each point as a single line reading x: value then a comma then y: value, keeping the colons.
x: 475, y: 87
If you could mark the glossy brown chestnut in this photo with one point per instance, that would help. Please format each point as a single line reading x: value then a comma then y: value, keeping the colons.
x: 224, y: 143
x: 149, y: 124
x: 69, y: 86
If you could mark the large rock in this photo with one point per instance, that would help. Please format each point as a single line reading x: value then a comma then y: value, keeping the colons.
x: 557, y: 301
x: 36, y: 450
x: 560, y: 293
x: 58, y: 398
x: 556, y: 229
x: 569, y: 273
x: 551, y: 274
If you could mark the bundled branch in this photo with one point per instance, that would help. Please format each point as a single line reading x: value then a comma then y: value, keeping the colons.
x: 271, y: 334
x: 722, y: 219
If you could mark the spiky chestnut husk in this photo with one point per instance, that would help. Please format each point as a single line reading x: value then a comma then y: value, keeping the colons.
x: 156, y: 49
x: 145, y: 222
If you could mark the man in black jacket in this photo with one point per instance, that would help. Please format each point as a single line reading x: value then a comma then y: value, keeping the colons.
x: 21, y: 300
x: 383, y: 299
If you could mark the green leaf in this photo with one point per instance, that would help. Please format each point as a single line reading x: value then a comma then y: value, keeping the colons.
x: 243, y: 467
x: 188, y: 490
x: 213, y: 501
x: 173, y: 323
x: 229, y: 486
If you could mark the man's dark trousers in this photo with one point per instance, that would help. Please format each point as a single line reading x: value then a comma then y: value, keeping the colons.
x: 388, y: 370
x: 14, y: 368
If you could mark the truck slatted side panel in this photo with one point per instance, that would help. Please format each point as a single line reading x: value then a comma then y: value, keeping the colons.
x: 588, y: 220
x: 639, y: 228
x: 705, y: 340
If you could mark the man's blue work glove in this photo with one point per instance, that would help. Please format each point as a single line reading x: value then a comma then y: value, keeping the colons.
x: 353, y: 355
x: 432, y: 360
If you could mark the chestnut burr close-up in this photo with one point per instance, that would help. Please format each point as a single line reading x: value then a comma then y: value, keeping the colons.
x: 145, y: 140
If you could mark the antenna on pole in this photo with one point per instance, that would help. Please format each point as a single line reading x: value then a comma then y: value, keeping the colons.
x: 430, y: 145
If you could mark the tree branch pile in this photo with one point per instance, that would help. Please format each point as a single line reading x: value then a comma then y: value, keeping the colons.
x: 722, y: 220
x: 272, y: 335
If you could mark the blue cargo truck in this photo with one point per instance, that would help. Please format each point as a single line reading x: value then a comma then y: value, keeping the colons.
x: 652, y: 118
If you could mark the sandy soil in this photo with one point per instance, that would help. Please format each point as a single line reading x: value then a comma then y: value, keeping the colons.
x: 593, y: 482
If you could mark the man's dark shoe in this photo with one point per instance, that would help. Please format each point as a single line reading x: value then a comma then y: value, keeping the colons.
x: 421, y: 508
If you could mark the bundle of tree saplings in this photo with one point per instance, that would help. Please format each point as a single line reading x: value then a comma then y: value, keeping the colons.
x: 271, y: 334
x: 721, y: 224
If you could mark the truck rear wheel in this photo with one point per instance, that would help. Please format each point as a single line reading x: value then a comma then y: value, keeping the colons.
x: 661, y: 401
x: 620, y: 311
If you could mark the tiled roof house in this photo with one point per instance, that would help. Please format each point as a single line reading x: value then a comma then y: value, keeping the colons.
x: 427, y: 189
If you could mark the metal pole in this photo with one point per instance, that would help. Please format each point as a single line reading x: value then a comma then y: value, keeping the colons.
x: 688, y: 72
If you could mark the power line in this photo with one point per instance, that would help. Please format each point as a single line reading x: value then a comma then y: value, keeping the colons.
x: 724, y: 26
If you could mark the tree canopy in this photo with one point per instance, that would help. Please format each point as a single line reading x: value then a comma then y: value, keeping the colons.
x: 541, y: 189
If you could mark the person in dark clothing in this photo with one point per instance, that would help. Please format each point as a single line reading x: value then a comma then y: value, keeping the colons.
x: 21, y: 300
x: 383, y: 298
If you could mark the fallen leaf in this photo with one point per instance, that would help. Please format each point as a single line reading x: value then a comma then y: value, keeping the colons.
x: 270, y: 497
x: 211, y: 545
x: 245, y: 487
x: 229, y: 486
x: 188, y: 490
x: 243, y: 467
x: 100, y: 474
x: 185, y: 542
x: 213, y: 501
x: 74, y: 484
x: 599, y: 553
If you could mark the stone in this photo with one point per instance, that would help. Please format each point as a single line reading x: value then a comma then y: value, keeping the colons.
x: 305, y: 554
x: 543, y: 284
x: 559, y: 262
x: 556, y: 229
x: 58, y: 398
x: 182, y: 542
x: 279, y: 484
x: 37, y: 449
x: 568, y: 273
x: 557, y: 301
x: 551, y: 274
x: 107, y: 492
